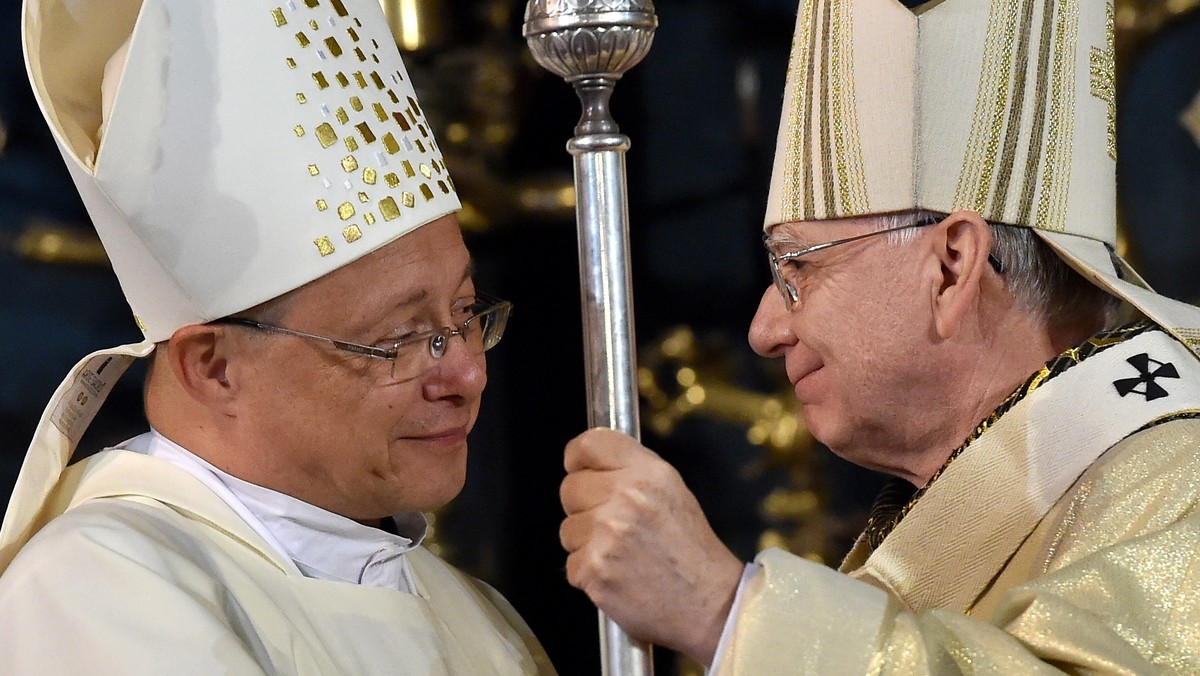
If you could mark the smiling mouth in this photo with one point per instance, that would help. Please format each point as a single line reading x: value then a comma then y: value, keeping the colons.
x: 454, y: 435
x: 798, y: 384
x: 803, y: 374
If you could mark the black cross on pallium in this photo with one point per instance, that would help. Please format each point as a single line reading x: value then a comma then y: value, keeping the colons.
x: 1152, y: 390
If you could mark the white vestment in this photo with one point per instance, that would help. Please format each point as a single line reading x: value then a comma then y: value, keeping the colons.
x: 138, y: 568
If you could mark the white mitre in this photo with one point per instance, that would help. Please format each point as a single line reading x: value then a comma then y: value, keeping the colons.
x: 1007, y: 109
x: 227, y: 152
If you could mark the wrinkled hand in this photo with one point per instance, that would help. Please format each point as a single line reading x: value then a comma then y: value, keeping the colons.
x: 639, y: 545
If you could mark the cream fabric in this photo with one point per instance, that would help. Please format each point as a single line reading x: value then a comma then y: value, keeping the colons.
x: 992, y: 573
x: 1028, y: 459
x: 320, y: 543
x: 147, y: 572
x: 71, y: 409
x: 998, y: 106
x: 1003, y: 107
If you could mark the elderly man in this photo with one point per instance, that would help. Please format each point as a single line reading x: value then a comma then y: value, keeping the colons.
x: 282, y: 224
x: 950, y: 310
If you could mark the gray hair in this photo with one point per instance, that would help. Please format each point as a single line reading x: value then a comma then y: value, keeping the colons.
x: 1040, y: 281
x: 268, y: 312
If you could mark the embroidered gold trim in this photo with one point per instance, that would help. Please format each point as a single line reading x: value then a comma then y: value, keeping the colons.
x: 802, y: 164
x: 1056, y: 172
x: 825, y: 113
x: 847, y: 143
x: 885, y: 517
x: 1016, y: 111
x: 1037, y: 139
x: 1104, y: 78
x: 991, y: 101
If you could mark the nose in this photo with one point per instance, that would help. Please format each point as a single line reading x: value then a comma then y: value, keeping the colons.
x: 459, y: 372
x: 770, y: 330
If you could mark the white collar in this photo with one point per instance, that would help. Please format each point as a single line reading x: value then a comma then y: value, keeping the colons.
x: 322, y: 544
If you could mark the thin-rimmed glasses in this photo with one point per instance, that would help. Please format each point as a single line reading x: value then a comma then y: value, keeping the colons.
x: 788, y: 290
x: 414, y: 354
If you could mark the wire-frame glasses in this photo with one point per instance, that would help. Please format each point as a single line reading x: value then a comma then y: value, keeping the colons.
x: 414, y: 354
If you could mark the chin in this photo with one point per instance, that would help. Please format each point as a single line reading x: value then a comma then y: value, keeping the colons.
x: 437, y: 497
x: 823, y: 429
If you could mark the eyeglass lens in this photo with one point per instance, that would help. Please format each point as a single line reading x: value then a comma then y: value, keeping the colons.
x: 479, y: 333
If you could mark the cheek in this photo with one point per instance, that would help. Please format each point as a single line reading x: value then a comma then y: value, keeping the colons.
x: 330, y: 403
x: 833, y: 321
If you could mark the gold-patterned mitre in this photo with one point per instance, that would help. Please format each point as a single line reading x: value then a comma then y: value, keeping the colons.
x: 1003, y: 107
x: 236, y: 150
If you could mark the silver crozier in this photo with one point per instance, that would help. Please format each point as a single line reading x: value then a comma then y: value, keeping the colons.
x: 591, y: 44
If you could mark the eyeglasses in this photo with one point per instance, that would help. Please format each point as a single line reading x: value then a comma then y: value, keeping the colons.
x: 788, y: 290
x: 480, y: 332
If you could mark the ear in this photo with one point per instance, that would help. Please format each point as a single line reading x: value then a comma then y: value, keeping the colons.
x: 961, y: 246
x: 199, y: 358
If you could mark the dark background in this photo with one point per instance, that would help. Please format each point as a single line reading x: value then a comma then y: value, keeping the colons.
x: 701, y: 111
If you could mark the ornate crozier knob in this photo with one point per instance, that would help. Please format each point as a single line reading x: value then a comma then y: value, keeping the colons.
x: 591, y: 44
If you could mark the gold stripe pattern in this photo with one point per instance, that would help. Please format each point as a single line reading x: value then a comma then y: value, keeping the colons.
x: 806, y: 130
x: 1060, y: 137
x: 991, y: 102
x: 798, y: 83
x: 1016, y: 112
x: 1005, y: 25
x: 1104, y: 78
x: 1037, y: 139
x: 825, y: 112
x: 852, y: 179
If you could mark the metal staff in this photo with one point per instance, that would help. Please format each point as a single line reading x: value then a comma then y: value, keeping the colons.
x: 591, y: 44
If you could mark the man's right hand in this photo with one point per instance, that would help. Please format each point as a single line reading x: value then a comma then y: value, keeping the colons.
x: 641, y: 548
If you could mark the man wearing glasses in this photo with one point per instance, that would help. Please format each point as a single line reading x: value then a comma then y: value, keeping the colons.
x: 281, y: 221
x: 949, y: 307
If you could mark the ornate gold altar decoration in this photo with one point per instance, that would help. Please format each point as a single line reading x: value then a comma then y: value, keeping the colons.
x: 683, y: 376
x: 1138, y: 23
x: 1190, y: 119
x: 476, y: 92
x: 47, y: 241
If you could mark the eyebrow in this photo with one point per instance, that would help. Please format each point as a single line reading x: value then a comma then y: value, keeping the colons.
x: 779, y: 239
x: 420, y: 295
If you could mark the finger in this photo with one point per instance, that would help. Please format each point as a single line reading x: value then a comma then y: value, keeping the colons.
x: 575, y: 576
x: 585, y: 489
x: 575, y: 532
x: 603, y: 448
x: 585, y: 573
